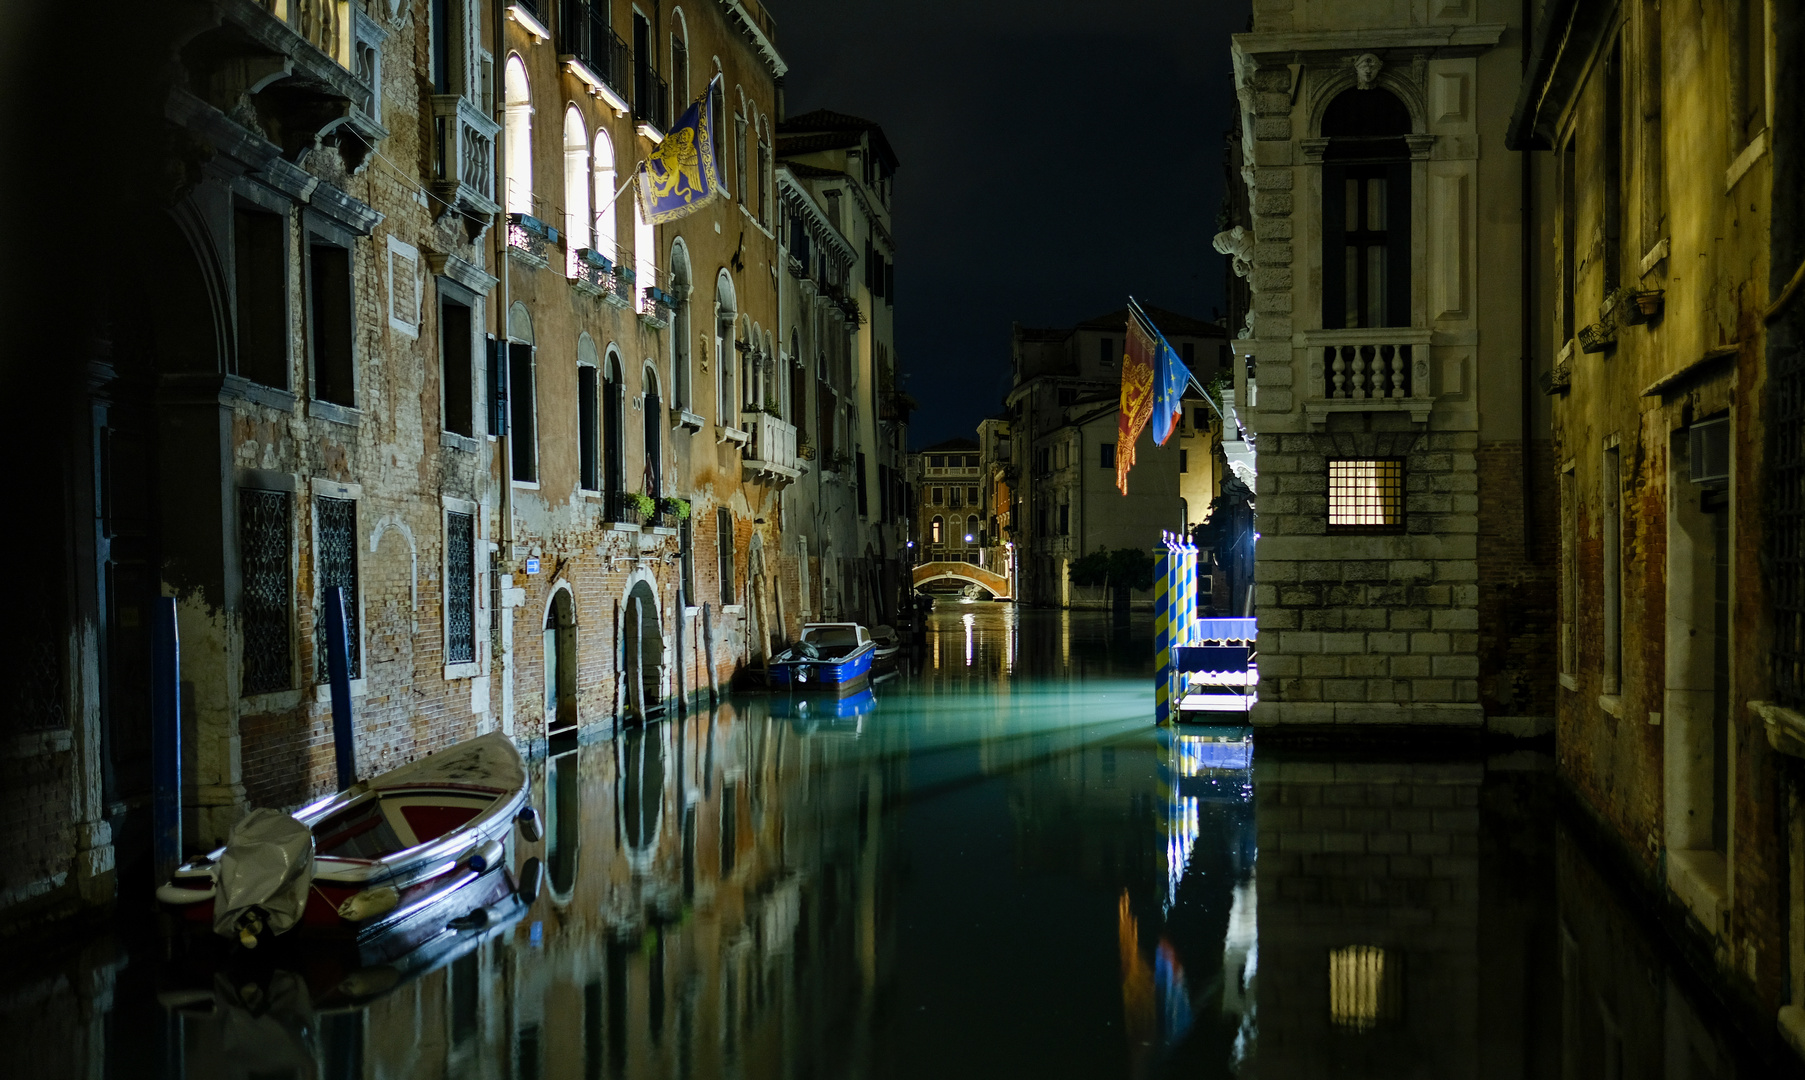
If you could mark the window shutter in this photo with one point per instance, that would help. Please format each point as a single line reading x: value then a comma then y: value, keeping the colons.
x: 1334, y: 247
x: 498, y: 389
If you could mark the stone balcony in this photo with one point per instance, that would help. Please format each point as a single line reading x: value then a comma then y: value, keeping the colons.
x: 771, y: 452
x: 1365, y: 370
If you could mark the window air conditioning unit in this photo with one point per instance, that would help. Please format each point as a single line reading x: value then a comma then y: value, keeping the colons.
x: 1709, y: 452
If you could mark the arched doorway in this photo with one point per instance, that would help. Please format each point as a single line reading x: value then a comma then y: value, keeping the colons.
x: 560, y: 641
x: 644, y: 653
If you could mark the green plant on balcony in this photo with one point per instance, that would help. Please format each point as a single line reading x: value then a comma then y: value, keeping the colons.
x: 676, y: 508
x: 643, y: 504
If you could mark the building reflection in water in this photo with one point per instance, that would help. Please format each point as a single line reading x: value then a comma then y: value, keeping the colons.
x: 969, y: 873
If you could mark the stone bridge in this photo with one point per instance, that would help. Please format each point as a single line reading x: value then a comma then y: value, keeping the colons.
x: 928, y: 572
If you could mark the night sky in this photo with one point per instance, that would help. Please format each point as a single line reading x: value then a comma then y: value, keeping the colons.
x: 1057, y: 155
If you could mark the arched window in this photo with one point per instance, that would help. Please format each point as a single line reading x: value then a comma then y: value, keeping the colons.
x: 726, y: 316
x: 797, y: 412
x: 523, y: 396
x: 764, y: 172
x: 773, y: 391
x: 682, y: 336
x: 645, y: 258
x: 589, y: 419
x: 614, y: 434
x: 680, y: 92
x: 654, y: 441
x: 1366, y: 211
x: 605, y: 205
x: 935, y: 528
x: 517, y: 110
x: 740, y: 115
x: 576, y: 181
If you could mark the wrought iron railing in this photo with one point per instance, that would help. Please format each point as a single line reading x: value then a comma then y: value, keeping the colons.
x: 584, y: 33
x: 529, y: 236
x: 651, y: 97
x: 623, y: 507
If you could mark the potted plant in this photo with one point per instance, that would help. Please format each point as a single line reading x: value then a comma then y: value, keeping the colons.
x: 643, y: 503
x: 675, y: 509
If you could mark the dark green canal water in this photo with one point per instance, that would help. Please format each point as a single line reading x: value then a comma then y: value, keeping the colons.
x: 994, y: 866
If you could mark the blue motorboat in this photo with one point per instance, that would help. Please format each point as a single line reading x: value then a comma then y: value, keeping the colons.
x: 832, y: 657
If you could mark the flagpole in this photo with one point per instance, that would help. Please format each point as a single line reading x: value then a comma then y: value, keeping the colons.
x: 633, y: 174
x: 1135, y: 307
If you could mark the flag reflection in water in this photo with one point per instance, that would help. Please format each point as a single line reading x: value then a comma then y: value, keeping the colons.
x: 1168, y: 972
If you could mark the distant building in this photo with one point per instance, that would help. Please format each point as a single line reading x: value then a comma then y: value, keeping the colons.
x: 1064, y: 419
x: 949, y: 513
x: 996, y: 488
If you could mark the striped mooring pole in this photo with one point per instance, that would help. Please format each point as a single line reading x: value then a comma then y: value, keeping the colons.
x: 1162, y: 637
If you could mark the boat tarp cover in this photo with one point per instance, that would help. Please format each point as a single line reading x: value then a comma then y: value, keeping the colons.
x: 268, y: 863
x: 487, y: 761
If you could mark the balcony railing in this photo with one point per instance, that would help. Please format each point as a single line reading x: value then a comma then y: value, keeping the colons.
x: 623, y: 508
x: 1369, y: 369
x: 324, y: 23
x: 463, y: 162
x: 531, y: 239
x: 651, y: 98
x: 584, y: 35
x: 772, y: 448
x: 1366, y: 371
x: 590, y: 271
x: 656, y: 306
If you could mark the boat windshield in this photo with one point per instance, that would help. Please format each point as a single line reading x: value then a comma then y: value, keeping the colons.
x: 842, y: 636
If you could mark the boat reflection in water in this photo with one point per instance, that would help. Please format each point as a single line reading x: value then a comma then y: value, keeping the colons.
x: 1008, y: 872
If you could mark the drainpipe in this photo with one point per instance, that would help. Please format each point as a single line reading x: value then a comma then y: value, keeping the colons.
x: 505, y: 442
x: 1526, y: 363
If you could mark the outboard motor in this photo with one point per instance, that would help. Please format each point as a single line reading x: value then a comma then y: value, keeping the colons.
x: 264, y: 877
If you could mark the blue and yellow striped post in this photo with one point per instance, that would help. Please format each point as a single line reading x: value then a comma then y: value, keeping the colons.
x: 1187, y: 592
x: 1162, y: 637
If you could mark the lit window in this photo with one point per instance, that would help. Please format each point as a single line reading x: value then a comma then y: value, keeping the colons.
x: 935, y: 528
x: 1365, y: 987
x: 1366, y: 495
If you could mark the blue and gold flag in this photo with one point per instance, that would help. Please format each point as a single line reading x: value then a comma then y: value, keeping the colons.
x: 681, y: 175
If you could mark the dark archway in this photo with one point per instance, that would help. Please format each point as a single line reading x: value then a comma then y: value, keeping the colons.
x: 643, y: 637
x: 560, y: 641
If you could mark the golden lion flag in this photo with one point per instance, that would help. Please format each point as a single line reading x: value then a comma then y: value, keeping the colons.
x: 681, y: 175
x: 1138, y: 354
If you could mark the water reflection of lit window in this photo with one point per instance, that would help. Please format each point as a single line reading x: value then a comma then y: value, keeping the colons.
x: 970, y: 622
x: 1366, y: 987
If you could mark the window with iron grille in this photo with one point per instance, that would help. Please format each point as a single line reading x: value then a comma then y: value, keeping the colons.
x: 335, y: 567
x: 263, y: 546
x: 460, y: 588
x: 1366, y: 495
x: 1786, y: 522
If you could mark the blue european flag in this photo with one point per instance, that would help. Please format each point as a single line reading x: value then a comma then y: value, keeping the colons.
x: 682, y: 175
x: 1170, y: 378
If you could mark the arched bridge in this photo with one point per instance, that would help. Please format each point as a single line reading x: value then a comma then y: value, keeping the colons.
x: 925, y: 573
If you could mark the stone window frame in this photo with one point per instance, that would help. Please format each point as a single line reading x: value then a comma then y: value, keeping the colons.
x: 467, y: 669
x: 318, y: 488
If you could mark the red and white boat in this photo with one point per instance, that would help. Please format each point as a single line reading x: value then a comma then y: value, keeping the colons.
x: 385, y: 865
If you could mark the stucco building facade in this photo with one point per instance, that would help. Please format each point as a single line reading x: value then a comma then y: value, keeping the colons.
x: 398, y: 327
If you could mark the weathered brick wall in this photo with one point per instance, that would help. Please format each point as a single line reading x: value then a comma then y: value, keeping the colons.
x: 1519, y: 634
x: 38, y: 843
x: 1368, y: 628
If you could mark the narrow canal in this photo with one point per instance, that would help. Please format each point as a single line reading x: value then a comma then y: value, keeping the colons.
x: 992, y: 867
